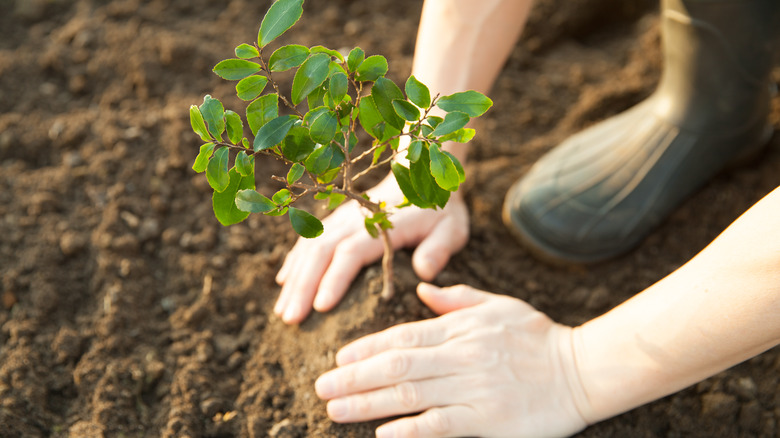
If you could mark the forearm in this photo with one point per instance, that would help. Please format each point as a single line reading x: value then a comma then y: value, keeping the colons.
x: 719, y: 309
x: 463, y: 44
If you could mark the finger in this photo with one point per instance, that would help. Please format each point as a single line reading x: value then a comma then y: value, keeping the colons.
x: 423, y: 333
x: 386, y: 369
x: 349, y: 257
x: 432, y: 254
x: 447, y: 421
x: 299, y: 289
x: 449, y: 299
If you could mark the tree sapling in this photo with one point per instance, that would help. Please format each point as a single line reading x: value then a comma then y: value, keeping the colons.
x: 342, y: 93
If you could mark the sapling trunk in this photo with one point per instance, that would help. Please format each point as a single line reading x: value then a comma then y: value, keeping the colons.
x: 388, y: 289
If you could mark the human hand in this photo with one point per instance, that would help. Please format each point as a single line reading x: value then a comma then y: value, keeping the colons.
x: 317, y: 272
x: 490, y: 366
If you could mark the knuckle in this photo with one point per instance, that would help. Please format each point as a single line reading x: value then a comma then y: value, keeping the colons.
x: 397, y: 365
x: 437, y: 421
x: 361, y: 406
x: 406, y: 338
x: 408, y: 395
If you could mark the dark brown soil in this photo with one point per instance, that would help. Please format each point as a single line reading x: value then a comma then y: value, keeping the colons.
x: 127, y: 310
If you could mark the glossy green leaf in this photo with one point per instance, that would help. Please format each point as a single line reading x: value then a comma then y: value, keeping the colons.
x: 415, y: 149
x: 330, y: 52
x: 443, y: 169
x: 235, y: 127
x: 202, y: 160
x: 235, y: 69
x: 282, y: 197
x: 371, y: 69
x: 198, y: 124
x: 335, y: 199
x: 297, y: 145
x: 355, y: 58
x: 337, y: 89
x: 245, y: 165
x: 463, y: 135
x: 304, y: 223
x: 384, y: 93
x: 309, y: 76
x: 406, y: 110
x: 319, y: 160
x: 280, y: 17
x: 403, y: 178
x: 434, y: 121
x: 262, y: 111
x: 452, y: 122
x: 324, y: 127
x: 217, y: 170
x: 425, y: 184
x: 417, y: 92
x: 317, y: 97
x: 251, y: 87
x: 473, y: 103
x: 287, y: 57
x: 224, y: 203
x: 252, y: 202
x: 245, y: 51
x: 369, y: 116
x: 295, y: 173
x: 273, y: 132
x: 458, y: 166
x: 214, y: 115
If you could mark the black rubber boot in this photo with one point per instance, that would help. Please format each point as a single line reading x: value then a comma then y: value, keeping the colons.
x: 598, y: 194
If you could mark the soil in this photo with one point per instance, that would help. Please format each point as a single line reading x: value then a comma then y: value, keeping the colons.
x: 127, y: 310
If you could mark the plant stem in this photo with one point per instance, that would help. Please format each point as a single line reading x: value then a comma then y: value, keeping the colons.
x: 388, y: 290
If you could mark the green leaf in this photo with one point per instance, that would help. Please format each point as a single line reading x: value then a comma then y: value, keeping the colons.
x: 458, y: 166
x: 251, y: 87
x: 330, y: 52
x: 311, y: 75
x: 319, y: 160
x: 473, y: 103
x: 417, y: 92
x: 415, y: 149
x: 338, y: 87
x: 245, y: 51
x: 282, y: 197
x: 406, y: 110
x: 443, y: 169
x: 317, y: 97
x: 335, y: 199
x: 304, y: 223
x: 287, y: 57
x: 355, y: 58
x: 403, y: 178
x: 235, y: 127
x: 252, y: 202
x: 214, y: 114
x: 234, y: 69
x: 324, y: 127
x: 273, y: 132
x: 452, y: 122
x: 434, y: 121
x: 369, y: 116
x: 384, y: 93
x: 295, y: 173
x: 198, y: 124
x: 262, y: 111
x: 224, y: 203
x: 217, y: 170
x: 202, y: 160
x: 280, y: 17
x: 279, y: 211
x: 371, y: 69
x: 245, y: 165
x: 297, y: 145
x: 425, y: 184
x: 463, y: 135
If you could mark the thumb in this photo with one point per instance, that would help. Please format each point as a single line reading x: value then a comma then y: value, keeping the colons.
x: 445, y: 300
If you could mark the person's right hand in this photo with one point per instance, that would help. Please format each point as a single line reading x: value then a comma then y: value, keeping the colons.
x: 317, y: 272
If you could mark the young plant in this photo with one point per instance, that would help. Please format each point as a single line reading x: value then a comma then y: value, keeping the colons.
x: 341, y: 94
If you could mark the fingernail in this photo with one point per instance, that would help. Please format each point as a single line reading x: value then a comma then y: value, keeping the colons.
x: 278, y: 308
x: 290, y: 315
x: 385, y: 432
x: 319, y: 300
x: 324, y: 387
x: 337, y: 409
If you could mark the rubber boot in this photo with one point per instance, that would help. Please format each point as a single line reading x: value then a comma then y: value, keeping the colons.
x: 598, y: 194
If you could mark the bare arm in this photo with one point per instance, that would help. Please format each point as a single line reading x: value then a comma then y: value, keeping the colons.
x: 719, y: 309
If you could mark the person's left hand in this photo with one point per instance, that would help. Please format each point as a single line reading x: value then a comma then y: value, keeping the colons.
x: 490, y: 366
